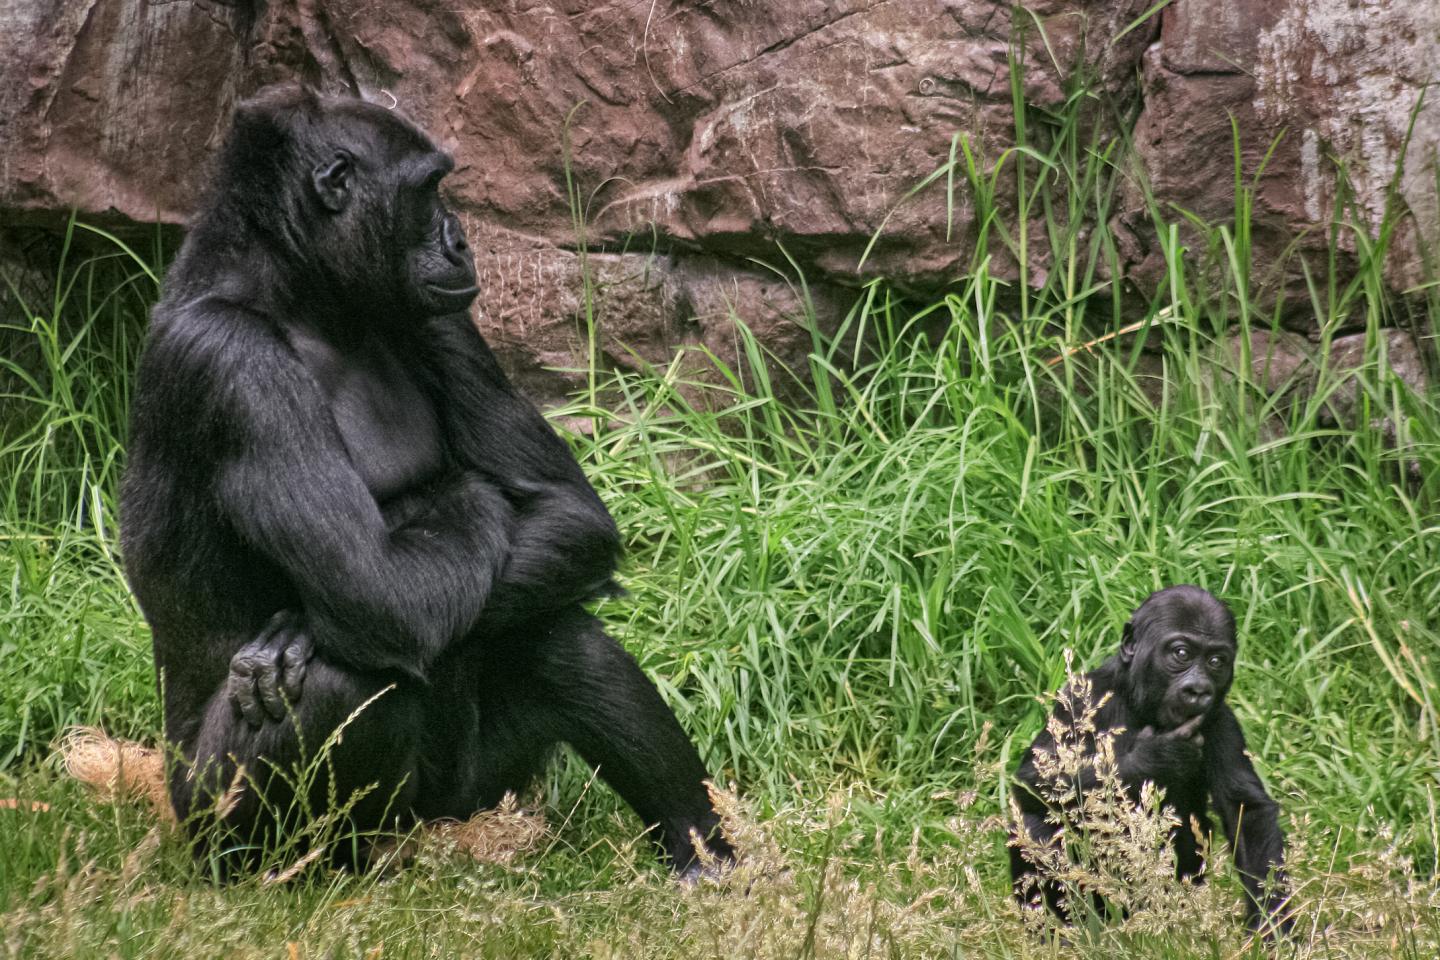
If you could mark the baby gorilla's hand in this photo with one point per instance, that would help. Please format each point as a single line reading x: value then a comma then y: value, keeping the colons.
x: 1169, y: 757
x: 269, y: 672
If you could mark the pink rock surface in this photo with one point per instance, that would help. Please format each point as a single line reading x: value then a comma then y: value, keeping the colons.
x: 710, y: 131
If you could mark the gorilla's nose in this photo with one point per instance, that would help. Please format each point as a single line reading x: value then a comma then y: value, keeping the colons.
x: 1198, y: 695
x: 457, y: 250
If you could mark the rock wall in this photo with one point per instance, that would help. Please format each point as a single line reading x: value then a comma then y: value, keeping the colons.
x: 701, y: 133
x: 1331, y: 84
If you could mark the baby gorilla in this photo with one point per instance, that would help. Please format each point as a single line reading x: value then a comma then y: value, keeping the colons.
x: 1170, y: 725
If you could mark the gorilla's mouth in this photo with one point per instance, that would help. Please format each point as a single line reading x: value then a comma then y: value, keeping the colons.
x: 452, y: 296
x: 444, y: 291
x: 1175, y: 715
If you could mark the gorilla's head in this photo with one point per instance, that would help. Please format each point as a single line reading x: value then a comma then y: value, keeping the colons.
x: 347, y: 193
x: 1179, y: 653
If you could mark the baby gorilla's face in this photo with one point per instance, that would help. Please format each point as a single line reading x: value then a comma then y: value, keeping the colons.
x: 1181, y: 651
x: 1196, y: 671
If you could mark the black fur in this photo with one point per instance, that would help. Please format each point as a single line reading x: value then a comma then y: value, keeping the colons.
x: 334, y: 494
x: 1172, y: 727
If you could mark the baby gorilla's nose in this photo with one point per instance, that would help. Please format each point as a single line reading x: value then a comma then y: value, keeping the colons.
x: 1198, y: 695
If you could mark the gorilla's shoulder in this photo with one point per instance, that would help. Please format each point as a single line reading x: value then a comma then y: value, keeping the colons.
x: 205, y: 347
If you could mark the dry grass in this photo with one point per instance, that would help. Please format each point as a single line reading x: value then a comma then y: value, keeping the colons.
x: 124, y: 771
x: 816, y: 880
x: 117, y: 770
x: 491, y: 836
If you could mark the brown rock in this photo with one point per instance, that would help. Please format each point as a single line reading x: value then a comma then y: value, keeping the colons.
x: 1335, y: 82
x: 708, y: 132
x: 1396, y: 351
x: 1279, y: 361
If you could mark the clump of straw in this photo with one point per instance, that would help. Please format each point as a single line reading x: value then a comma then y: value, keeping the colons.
x: 117, y: 770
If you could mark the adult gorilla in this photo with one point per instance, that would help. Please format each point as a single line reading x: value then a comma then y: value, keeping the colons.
x: 336, y: 500
x: 1162, y: 698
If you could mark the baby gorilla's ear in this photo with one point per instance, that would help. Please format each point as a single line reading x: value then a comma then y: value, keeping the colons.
x: 1127, y: 643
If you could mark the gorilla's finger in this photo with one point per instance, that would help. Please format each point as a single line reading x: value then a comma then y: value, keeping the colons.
x: 293, y: 662
x: 272, y: 626
x: 267, y: 680
x: 1188, y: 727
x: 241, y: 688
x: 232, y: 690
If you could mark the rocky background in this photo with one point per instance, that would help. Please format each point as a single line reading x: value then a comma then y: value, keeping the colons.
x: 708, y: 131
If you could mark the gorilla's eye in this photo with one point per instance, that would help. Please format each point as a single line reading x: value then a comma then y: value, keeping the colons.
x: 421, y: 203
x: 1217, y: 662
x: 1181, y: 653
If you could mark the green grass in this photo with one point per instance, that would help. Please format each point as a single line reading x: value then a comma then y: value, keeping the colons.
x: 856, y: 583
x: 71, y: 642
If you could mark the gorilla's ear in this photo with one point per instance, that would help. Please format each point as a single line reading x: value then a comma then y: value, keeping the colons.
x: 332, y: 180
x: 1127, y: 643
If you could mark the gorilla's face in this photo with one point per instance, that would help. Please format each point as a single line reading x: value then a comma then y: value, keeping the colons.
x: 1194, y: 668
x: 439, y: 269
x: 1179, y: 649
x: 379, y: 181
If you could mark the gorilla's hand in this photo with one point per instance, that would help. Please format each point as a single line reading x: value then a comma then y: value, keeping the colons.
x: 1170, y: 757
x: 268, y: 672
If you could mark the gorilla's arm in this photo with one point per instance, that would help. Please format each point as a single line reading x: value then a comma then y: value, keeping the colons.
x: 1164, y: 758
x: 373, y: 598
x: 565, y: 546
x: 1250, y: 819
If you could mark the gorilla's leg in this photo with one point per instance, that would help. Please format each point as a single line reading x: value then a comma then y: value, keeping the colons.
x: 289, y: 778
x: 564, y: 679
x: 611, y: 713
x: 1038, y: 830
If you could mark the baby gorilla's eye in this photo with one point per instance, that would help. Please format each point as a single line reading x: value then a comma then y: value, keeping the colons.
x: 1181, y: 653
x: 1216, y: 662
